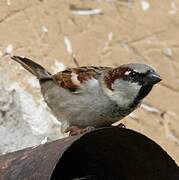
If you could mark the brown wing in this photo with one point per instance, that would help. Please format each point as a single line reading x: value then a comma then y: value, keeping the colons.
x: 72, y: 78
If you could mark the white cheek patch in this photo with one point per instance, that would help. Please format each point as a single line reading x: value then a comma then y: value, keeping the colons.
x: 124, y: 92
x: 74, y: 78
x: 136, y: 85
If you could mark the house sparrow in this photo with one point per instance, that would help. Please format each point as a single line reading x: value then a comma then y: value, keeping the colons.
x: 92, y: 96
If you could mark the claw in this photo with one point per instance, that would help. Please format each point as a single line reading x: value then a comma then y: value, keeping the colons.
x: 75, y: 130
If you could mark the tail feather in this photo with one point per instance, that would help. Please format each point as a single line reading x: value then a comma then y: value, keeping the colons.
x: 33, y: 67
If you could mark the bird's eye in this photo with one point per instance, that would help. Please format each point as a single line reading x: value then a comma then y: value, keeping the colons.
x: 132, y: 74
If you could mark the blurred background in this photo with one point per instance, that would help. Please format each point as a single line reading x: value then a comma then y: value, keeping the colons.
x: 96, y: 32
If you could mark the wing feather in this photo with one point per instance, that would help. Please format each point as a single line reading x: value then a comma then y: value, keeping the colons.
x: 73, y: 78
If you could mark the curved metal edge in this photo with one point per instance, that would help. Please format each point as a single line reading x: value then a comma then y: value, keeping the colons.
x: 34, y: 162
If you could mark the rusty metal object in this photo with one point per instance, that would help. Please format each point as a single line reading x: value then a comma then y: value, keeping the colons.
x: 35, y: 163
x: 105, y: 154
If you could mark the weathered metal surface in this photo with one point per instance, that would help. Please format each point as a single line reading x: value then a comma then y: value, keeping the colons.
x: 105, y: 154
x: 33, y: 163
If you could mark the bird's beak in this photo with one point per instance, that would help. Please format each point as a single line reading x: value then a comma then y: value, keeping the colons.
x: 152, y: 78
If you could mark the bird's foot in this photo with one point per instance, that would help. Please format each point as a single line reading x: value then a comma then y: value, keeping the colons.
x: 121, y: 125
x: 75, y: 130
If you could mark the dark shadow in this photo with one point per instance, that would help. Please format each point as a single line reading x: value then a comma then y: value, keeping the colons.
x: 115, y: 154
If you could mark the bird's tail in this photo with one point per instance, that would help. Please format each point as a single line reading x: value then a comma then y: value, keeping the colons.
x: 33, y: 67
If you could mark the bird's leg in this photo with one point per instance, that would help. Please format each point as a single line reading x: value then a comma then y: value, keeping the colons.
x: 76, y: 130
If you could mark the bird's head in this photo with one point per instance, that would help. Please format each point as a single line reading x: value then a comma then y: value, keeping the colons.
x: 130, y: 83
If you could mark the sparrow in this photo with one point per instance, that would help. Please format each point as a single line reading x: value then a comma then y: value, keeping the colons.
x: 90, y: 97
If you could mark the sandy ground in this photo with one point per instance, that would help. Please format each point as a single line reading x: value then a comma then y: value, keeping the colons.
x: 116, y: 32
